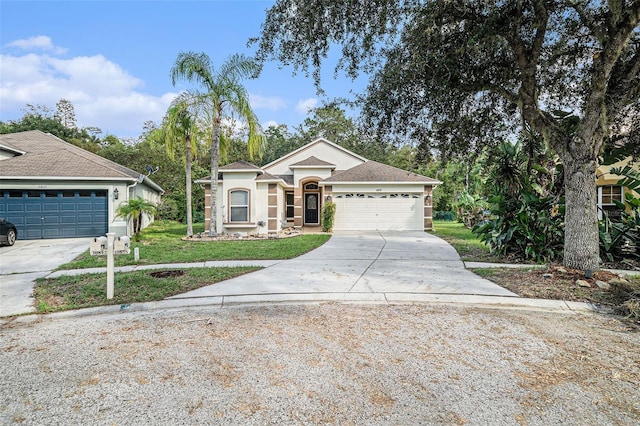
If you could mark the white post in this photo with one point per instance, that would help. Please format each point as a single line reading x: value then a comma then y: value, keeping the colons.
x: 136, y: 254
x: 110, y: 264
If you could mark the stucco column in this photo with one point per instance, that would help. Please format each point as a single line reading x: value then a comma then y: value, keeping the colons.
x: 428, y: 208
x: 272, y: 227
x: 297, y: 207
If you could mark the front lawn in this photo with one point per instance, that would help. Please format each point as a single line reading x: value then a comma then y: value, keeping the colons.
x: 466, y: 243
x: 88, y: 290
x: 161, y: 243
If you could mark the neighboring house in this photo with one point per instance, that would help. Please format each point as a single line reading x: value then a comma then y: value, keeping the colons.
x: 609, y: 190
x: 290, y: 192
x: 50, y: 188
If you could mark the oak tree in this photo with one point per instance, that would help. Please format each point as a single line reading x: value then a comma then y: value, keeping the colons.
x: 460, y: 74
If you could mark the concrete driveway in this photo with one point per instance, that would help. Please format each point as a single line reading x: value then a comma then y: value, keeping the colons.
x: 352, y: 263
x: 351, y: 266
x: 27, y: 260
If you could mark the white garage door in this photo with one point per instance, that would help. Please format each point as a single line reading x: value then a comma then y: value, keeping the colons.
x: 372, y: 211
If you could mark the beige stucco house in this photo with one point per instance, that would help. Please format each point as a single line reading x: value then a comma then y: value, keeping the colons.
x: 50, y: 188
x: 290, y: 192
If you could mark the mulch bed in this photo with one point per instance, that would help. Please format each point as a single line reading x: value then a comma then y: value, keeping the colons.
x: 561, y: 283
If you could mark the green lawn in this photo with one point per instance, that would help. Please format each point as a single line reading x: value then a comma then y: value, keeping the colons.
x: 468, y: 246
x: 88, y: 290
x: 161, y: 243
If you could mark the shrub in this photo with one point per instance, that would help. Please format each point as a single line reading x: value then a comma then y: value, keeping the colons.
x: 168, y: 209
x: 328, y: 215
x: 444, y: 215
x: 470, y: 209
x: 529, y: 227
x: 620, y: 237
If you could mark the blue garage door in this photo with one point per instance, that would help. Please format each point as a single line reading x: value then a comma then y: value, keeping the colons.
x: 55, y: 213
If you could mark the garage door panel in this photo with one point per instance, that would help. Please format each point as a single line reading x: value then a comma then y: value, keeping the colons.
x: 31, y: 220
x: 67, y: 219
x: 84, y: 206
x: 50, y: 220
x: 84, y: 219
x: 50, y: 233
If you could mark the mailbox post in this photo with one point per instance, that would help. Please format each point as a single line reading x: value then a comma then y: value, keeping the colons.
x: 110, y: 264
x: 110, y: 246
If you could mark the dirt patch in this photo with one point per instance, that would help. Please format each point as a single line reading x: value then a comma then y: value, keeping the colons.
x: 167, y: 274
x: 560, y: 283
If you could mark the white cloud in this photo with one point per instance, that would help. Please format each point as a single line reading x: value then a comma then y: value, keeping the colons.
x: 269, y: 123
x: 102, y: 93
x: 305, y: 105
x: 272, y: 103
x: 38, y: 43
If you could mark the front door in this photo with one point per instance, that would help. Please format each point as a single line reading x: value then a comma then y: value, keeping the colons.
x: 311, y: 208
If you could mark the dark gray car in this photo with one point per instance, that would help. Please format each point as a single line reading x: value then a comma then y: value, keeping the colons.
x: 8, y: 232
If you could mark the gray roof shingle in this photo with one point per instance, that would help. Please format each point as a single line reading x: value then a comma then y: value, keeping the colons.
x: 240, y: 165
x: 48, y: 156
x: 372, y: 171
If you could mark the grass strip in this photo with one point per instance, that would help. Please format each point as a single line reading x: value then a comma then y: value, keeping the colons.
x: 89, y: 290
x: 161, y: 243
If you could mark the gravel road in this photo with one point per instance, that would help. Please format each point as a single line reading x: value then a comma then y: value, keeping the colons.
x: 321, y: 364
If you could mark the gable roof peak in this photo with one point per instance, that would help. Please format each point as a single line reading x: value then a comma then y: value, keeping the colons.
x: 310, y: 144
x: 313, y: 161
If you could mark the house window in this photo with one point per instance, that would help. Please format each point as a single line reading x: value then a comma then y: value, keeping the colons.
x: 239, y: 205
x: 311, y: 186
x: 611, y: 193
x: 607, y: 195
x: 289, y: 205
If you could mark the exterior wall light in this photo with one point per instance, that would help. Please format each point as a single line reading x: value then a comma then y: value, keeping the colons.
x: 115, y: 194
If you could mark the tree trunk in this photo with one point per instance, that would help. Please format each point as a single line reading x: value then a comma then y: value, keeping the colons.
x: 581, y: 241
x: 137, y: 223
x: 215, y: 159
x: 188, y: 187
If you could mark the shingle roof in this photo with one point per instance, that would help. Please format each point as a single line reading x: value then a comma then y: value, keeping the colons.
x: 48, y: 156
x: 268, y: 176
x: 312, y: 162
x: 372, y: 171
x: 288, y: 179
x: 240, y: 166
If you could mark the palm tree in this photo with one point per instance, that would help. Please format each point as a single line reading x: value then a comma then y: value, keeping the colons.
x: 226, y: 98
x: 180, y: 127
x: 135, y: 208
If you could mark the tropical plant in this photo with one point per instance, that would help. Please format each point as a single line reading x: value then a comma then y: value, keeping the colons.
x: 528, y: 226
x: 180, y: 128
x: 134, y: 209
x: 527, y: 205
x: 223, y: 97
x: 470, y: 209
